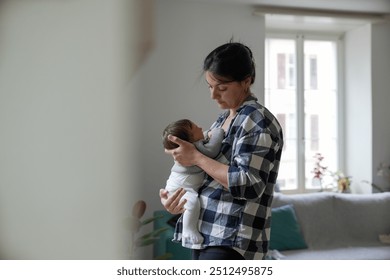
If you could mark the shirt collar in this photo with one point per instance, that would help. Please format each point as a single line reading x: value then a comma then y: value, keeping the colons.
x: 251, y: 99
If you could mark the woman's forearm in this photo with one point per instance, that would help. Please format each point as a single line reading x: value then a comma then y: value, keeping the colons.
x: 215, y: 169
x: 187, y: 155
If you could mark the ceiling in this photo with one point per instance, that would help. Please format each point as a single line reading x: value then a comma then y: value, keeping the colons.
x: 329, y: 16
x: 371, y: 6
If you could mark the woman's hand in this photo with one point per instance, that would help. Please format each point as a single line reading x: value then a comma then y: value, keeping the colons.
x: 185, y: 154
x: 172, y: 203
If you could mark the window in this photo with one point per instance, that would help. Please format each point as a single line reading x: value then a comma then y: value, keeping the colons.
x: 301, y: 89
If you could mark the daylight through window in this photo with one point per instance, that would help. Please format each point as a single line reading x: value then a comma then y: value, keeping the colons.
x: 301, y: 90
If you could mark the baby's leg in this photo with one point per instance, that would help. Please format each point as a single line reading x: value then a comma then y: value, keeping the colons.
x: 191, y: 235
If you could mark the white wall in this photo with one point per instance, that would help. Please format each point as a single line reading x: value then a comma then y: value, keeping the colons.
x: 171, y: 80
x: 380, y: 100
x: 64, y: 128
x: 367, y: 99
x: 358, y: 102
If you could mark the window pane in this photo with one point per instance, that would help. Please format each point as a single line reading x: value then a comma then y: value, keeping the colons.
x: 280, y: 98
x: 320, y: 98
x: 281, y: 57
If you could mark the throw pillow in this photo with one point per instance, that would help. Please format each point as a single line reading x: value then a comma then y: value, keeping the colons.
x: 384, y: 238
x: 285, y: 230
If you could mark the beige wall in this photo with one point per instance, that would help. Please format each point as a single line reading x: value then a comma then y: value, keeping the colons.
x: 65, y: 106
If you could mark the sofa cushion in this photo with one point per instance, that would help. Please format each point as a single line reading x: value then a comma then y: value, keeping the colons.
x: 315, y: 214
x: 331, y: 220
x: 285, y: 230
x: 364, y: 216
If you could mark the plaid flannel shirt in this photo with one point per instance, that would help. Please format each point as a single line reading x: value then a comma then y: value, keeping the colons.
x: 240, y: 217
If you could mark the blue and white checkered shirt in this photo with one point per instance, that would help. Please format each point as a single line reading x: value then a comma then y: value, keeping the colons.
x: 240, y: 217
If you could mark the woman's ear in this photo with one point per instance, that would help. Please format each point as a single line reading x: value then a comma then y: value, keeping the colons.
x: 247, y: 83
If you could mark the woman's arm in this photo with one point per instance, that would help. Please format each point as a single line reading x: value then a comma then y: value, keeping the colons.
x: 187, y: 155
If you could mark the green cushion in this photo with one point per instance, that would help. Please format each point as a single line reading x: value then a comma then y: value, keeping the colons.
x: 285, y: 230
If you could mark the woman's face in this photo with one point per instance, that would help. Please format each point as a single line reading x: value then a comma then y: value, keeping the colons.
x: 229, y: 94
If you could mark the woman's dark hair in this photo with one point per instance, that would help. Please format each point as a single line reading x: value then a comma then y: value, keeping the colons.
x: 181, y: 129
x: 231, y: 61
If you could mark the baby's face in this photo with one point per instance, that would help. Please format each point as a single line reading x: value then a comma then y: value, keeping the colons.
x: 197, y: 132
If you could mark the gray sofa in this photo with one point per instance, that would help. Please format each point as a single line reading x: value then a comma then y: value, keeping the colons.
x: 332, y: 226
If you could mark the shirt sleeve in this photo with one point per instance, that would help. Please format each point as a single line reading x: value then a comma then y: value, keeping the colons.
x: 252, y: 164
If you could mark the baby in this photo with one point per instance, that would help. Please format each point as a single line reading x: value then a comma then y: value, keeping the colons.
x: 191, y: 178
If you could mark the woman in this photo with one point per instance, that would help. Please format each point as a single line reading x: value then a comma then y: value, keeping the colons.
x: 237, y: 193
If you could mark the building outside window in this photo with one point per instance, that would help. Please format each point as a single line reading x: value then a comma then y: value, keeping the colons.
x: 301, y: 89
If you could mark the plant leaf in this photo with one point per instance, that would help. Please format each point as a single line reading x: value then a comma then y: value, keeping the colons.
x: 154, y: 233
x: 150, y: 237
x: 157, y: 232
x: 149, y: 220
x: 139, y: 209
x: 142, y: 242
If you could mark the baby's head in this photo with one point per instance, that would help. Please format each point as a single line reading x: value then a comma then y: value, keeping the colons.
x: 183, y: 129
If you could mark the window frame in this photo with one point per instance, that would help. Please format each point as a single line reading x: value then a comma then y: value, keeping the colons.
x: 299, y: 38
